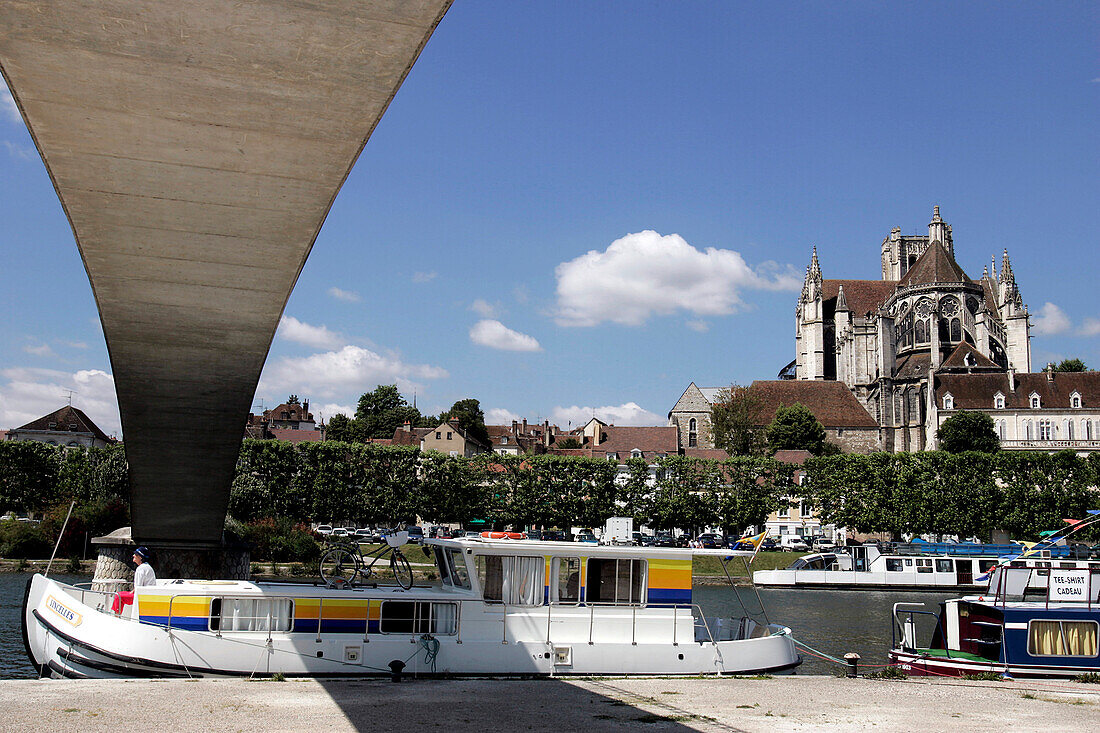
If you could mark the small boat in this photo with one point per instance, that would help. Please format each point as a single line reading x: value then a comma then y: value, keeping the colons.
x: 922, y: 566
x: 1001, y: 633
x: 499, y: 607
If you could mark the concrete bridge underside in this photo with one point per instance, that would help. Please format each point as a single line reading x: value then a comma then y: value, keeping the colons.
x: 196, y: 147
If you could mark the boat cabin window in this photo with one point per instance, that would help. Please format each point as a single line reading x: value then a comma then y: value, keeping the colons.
x: 418, y: 617
x: 567, y: 576
x: 943, y: 565
x: 924, y: 565
x: 251, y: 614
x: 1062, y: 638
x: 893, y: 564
x: 984, y: 566
x: 1042, y: 567
x: 908, y: 562
x: 514, y: 580
x: 1067, y: 565
x: 615, y: 581
x: 452, y: 567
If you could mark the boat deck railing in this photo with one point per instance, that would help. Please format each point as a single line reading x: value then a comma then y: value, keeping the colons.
x: 905, y: 631
x: 425, y: 620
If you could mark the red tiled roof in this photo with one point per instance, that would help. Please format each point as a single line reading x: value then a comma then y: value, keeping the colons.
x: 296, y: 436
x: 863, y: 296
x: 409, y: 437
x: 710, y: 454
x: 648, y: 440
x: 831, y: 402
x: 976, y: 391
x: 935, y: 265
x: 792, y: 456
x: 65, y: 417
x: 913, y: 366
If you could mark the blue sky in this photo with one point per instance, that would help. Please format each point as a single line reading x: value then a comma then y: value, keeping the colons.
x: 578, y: 208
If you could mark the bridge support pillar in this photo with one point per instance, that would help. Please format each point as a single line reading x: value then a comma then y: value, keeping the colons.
x: 114, y: 568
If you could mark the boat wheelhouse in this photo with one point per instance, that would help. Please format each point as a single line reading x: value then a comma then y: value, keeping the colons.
x: 498, y: 608
x: 999, y: 632
x: 921, y: 566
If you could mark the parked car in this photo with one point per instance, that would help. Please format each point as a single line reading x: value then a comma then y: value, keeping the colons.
x: 586, y: 536
x: 711, y: 541
x: 664, y: 540
x: 324, y: 529
x: 416, y: 534
x: 339, y: 532
x: 534, y: 534
x: 554, y: 535
x: 363, y: 535
x: 793, y: 543
x: 470, y: 533
x: 646, y: 540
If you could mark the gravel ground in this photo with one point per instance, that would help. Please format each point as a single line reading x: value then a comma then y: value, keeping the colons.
x: 646, y: 704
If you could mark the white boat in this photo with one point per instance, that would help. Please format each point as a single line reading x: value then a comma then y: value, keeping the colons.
x: 919, y: 566
x: 499, y: 608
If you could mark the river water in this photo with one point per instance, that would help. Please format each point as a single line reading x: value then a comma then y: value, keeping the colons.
x: 832, y: 621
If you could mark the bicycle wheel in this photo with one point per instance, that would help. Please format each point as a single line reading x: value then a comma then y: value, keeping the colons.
x: 402, y: 570
x: 339, y: 567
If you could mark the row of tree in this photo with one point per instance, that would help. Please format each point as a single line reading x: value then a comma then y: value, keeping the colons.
x: 375, y: 484
x: 966, y: 494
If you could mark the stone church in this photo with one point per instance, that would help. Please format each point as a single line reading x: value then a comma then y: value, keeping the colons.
x: 912, y: 349
x: 886, y: 339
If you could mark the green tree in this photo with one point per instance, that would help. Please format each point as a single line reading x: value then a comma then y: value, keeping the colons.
x: 1071, y: 365
x: 470, y: 418
x: 968, y: 431
x: 342, y: 428
x: 382, y: 411
x: 796, y: 428
x: 567, y: 443
x: 736, y: 422
x: 28, y: 475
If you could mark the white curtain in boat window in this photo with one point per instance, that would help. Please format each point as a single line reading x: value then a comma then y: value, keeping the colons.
x: 516, y: 581
x: 251, y: 614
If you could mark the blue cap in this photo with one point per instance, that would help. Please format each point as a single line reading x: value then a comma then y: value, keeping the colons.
x: 143, y: 553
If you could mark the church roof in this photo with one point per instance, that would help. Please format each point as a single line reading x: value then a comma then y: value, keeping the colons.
x: 912, y: 366
x: 966, y: 357
x: 64, y: 420
x: 832, y: 403
x: 934, y: 266
x: 862, y: 296
x: 976, y: 391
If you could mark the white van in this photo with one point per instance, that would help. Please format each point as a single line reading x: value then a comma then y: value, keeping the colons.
x: 793, y: 543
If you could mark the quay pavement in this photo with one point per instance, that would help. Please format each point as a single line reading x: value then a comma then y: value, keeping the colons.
x: 809, y: 703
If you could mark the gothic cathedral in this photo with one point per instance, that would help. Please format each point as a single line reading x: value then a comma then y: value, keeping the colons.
x: 888, y: 339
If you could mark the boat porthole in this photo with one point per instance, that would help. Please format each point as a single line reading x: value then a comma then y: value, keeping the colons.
x: 320, y: 654
x: 680, y: 657
x: 547, y: 655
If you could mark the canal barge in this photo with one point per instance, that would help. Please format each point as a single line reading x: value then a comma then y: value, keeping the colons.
x: 922, y: 566
x: 1001, y: 633
x: 498, y: 607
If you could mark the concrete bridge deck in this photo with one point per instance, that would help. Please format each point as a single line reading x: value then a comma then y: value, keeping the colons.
x: 196, y: 147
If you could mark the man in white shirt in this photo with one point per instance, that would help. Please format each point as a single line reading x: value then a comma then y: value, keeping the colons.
x: 143, y: 573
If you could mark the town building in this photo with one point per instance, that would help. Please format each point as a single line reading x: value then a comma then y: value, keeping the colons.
x: 68, y: 426
x: 452, y: 439
x: 291, y: 421
x: 846, y: 422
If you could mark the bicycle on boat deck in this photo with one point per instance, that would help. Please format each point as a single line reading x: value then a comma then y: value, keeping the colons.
x: 346, y: 565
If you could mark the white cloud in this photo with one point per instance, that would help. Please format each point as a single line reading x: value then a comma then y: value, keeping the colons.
x: 646, y: 274
x: 27, y: 394
x: 424, y: 277
x: 347, y: 296
x: 20, y: 152
x: 327, y: 410
x: 500, y: 416
x: 496, y: 335
x: 39, y: 350
x: 521, y: 294
x: 699, y: 325
x: 1090, y: 327
x: 71, y: 344
x: 485, y: 309
x: 319, y: 337
x: 333, y: 374
x: 1051, y: 320
x: 627, y: 414
x: 8, y: 109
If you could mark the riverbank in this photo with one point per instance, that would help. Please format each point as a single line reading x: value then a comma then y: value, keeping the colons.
x: 665, y: 704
